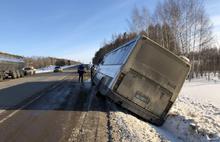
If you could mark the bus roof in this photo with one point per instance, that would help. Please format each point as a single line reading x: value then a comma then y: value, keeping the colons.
x: 125, y: 44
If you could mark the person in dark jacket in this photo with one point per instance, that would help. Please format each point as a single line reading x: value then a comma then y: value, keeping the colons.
x: 92, y: 71
x: 81, y: 71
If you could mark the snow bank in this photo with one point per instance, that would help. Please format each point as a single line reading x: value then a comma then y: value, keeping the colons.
x: 193, y: 121
x: 203, y: 90
x: 51, y: 68
x: 11, y: 60
x: 194, y: 117
x: 127, y: 128
x: 68, y: 66
x: 45, y: 69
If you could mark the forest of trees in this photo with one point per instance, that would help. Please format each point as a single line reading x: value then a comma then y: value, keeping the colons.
x: 38, y: 62
x: 181, y: 26
x: 117, y: 40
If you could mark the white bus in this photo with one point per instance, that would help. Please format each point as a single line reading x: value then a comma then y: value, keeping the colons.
x: 142, y: 77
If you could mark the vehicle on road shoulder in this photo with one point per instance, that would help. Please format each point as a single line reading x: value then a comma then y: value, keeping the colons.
x: 142, y: 77
x: 29, y: 71
x: 58, y: 69
x: 11, y: 66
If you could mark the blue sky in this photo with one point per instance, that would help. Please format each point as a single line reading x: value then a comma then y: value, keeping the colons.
x: 213, y: 9
x: 72, y: 29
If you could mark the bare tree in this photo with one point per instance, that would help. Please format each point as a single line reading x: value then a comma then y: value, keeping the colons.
x: 140, y: 20
x: 182, y: 26
x: 39, y: 62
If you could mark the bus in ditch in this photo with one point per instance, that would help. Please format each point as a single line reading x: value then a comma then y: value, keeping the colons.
x: 142, y: 77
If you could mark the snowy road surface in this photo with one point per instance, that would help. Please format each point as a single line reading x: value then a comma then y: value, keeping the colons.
x: 66, y: 110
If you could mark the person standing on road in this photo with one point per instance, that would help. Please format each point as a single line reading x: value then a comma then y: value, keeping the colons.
x: 92, y: 71
x: 81, y: 71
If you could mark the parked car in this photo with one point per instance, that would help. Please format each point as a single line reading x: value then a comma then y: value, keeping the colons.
x: 29, y: 71
x: 58, y: 69
x: 142, y: 77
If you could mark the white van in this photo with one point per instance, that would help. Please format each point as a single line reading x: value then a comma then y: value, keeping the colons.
x: 142, y: 77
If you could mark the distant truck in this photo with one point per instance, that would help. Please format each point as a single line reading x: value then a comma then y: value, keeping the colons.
x: 142, y: 77
x: 11, y: 66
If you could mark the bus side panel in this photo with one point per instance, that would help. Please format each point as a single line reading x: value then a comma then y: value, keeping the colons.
x: 112, y: 65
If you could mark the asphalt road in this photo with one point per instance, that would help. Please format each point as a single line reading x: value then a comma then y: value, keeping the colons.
x: 14, y: 91
x: 54, y: 107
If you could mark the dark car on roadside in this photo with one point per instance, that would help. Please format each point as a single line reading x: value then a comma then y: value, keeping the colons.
x: 58, y: 69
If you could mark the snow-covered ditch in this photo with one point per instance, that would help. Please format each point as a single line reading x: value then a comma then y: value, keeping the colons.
x: 194, y: 117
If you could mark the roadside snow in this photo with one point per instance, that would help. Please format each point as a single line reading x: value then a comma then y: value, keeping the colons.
x: 203, y: 91
x: 51, y: 68
x: 7, y: 59
x: 45, y: 69
x: 194, y: 117
x: 193, y: 121
x: 127, y: 128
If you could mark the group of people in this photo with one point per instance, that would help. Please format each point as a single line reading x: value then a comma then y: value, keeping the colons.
x: 81, y: 71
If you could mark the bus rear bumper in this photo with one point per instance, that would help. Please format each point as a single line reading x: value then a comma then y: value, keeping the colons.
x: 137, y: 110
